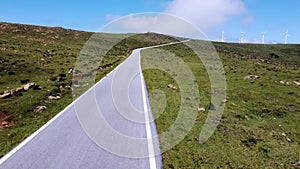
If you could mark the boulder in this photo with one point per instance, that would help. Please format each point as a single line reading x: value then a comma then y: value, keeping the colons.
x: 4, y: 123
x: 28, y: 86
x: 53, y: 97
x: 70, y: 71
x: 251, y: 77
x: 297, y: 83
x: 39, y: 109
x: 172, y: 87
x: 296, y: 164
x: 6, y: 94
x: 19, y: 89
x: 201, y: 109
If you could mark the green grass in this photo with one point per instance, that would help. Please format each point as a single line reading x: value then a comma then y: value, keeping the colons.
x: 41, y: 54
x: 36, y: 54
x: 248, y: 136
x: 256, y: 114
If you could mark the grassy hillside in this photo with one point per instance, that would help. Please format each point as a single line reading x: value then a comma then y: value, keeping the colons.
x: 260, y: 125
x: 39, y: 55
x: 43, y: 55
x: 288, y: 55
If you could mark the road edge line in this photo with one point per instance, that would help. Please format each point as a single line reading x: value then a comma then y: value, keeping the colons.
x: 152, y: 160
x: 30, y: 137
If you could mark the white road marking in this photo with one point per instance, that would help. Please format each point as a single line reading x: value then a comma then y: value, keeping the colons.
x: 29, y: 138
x: 151, y: 153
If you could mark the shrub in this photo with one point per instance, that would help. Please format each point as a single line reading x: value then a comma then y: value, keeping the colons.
x: 53, y: 78
x: 11, y: 73
x: 24, y: 81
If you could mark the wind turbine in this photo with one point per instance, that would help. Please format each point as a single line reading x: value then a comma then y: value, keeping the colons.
x: 242, y: 37
x: 263, y: 37
x: 286, y: 35
x: 223, y: 36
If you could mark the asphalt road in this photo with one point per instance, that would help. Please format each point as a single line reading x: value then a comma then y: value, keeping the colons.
x: 64, y: 143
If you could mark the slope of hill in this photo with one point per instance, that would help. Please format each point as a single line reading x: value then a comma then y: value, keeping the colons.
x: 259, y: 128
x: 259, y: 124
x: 288, y: 55
x: 43, y: 56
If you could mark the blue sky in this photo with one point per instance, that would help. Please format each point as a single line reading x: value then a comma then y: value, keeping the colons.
x: 214, y: 16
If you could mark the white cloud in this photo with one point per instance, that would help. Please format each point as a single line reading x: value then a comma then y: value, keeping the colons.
x: 154, y: 22
x: 111, y: 17
x: 206, y: 14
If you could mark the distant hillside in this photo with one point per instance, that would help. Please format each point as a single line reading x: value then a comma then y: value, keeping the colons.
x: 46, y: 34
x: 276, y: 53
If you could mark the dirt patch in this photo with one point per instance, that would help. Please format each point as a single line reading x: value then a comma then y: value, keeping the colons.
x: 5, y: 121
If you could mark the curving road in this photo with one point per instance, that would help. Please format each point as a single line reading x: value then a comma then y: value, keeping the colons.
x: 63, y: 142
